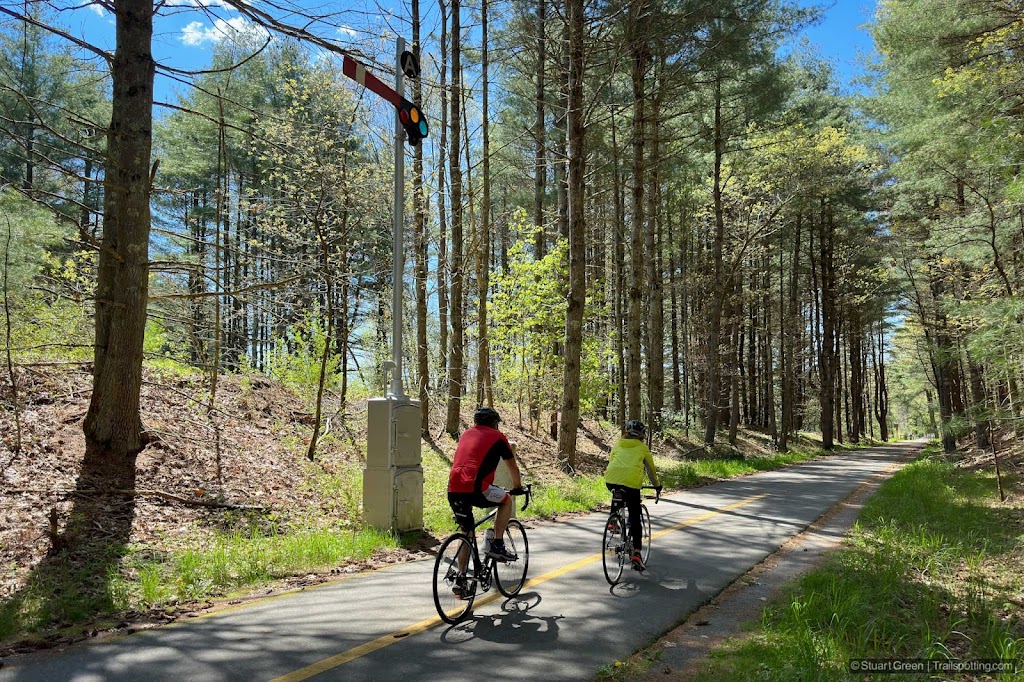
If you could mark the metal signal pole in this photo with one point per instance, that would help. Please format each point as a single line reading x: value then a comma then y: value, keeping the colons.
x: 398, y: 252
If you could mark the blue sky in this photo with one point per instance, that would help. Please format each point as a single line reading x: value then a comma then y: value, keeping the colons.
x: 187, y: 30
x: 840, y: 38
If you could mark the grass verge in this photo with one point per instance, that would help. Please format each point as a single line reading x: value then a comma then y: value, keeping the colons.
x: 931, y: 571
x: 131, y: 579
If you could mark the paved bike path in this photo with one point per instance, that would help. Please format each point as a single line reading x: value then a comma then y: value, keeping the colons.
x: 565, y: 625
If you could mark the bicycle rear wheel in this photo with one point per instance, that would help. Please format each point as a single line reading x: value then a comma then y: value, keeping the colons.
x: 613, y: 550
x: 511, y: 575
x: 454, y: 586
x: 645, y: 530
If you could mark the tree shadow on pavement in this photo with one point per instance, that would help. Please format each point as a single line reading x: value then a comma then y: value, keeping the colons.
x: 517, y: 623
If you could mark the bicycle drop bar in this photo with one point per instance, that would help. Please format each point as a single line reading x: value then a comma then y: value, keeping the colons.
x: 657, y: 495
x: 526, y: 491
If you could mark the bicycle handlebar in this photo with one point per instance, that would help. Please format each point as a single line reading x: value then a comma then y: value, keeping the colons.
x: 656, y: 488
x: 526, y: 491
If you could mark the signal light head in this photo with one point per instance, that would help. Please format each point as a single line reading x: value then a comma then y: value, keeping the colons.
x: 412, y: 119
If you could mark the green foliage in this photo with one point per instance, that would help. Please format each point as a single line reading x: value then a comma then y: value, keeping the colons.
x: 52, y: 102
x: 949, y: 103
x: 528, y: 311
x: 165, y: 355
x: 295, y: 360
x: 48, y: 319
x: 998, y: 339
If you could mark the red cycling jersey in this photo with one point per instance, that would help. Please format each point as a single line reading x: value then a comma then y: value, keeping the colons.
x: 476, y: 459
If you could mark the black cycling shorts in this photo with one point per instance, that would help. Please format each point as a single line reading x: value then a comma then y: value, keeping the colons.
x: 462, y: 505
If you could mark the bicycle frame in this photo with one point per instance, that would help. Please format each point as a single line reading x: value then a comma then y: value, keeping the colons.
x: 456, y: 585
x: 618, y: 538
x: 482, y: 569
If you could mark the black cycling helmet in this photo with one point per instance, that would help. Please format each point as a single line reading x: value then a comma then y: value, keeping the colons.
x: 486, y: 416
x: 635, y: 428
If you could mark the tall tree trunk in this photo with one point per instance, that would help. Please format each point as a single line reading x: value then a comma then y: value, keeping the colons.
x: 620, y: 279
x: 735, y: 336
x: 638, y: 69
x: 323, y: 241
x: 472, y: 244
x: 113, y: 425
x: 484, y: 246
x: 420, y: 240
x: 786, y: 358
x: 540, y: 164
x: 717, y: 294
x: 673, y: 284
x: 827, y: 388
x: 768, y: 371
x: 455, y: 368
x: 655, y: 289
x: 442, y: 214
x: 685, y: 310
x: 854, y: 335
x: 560, y: 153
x: 577, y: 243
x: 881, y: 406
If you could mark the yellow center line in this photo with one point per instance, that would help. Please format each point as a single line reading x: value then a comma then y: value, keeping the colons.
x: 387, y: 640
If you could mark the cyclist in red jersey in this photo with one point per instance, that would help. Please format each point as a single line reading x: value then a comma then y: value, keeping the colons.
x: 471, y: 481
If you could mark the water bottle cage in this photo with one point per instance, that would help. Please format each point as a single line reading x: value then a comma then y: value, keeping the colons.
x: 488, y: 539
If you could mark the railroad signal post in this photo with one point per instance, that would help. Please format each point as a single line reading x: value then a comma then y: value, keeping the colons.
x: 393, y: 478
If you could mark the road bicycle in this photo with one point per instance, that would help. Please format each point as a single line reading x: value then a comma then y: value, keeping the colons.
x: 459, y: 575
x: 617, y: 545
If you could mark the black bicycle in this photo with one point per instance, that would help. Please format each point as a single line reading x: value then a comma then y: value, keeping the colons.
x: 459, y: 575
x: 617, y: 545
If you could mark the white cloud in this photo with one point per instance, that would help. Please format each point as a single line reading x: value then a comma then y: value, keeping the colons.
x: 348, y: 31
x: 197, y: 33
x: 98, y: 9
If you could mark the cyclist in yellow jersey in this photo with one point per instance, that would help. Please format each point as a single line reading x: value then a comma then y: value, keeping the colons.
x: 626, y: 464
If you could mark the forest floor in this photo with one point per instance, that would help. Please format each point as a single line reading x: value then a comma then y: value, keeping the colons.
x: 247, y: 451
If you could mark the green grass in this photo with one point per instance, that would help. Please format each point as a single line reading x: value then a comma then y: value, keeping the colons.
x: 63, y: 595
x: 928, y: 573
x: 688, y: 473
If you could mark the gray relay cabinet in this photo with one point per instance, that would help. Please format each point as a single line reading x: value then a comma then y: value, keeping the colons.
x: 393, y: 478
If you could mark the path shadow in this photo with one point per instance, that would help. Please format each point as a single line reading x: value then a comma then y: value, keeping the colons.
x: 634, y: 583
x: 517, y: 622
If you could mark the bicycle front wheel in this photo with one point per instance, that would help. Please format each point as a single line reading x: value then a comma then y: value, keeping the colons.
x: 645, y: 530
x: 454, y: 586
x: 511, y: 575
x: 613, y: 550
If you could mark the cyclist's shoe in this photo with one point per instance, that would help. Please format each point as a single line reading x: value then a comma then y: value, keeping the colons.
x: 499, y: 552
x: 612, y: 526
x: 638, y: 562
x: 461, y: 588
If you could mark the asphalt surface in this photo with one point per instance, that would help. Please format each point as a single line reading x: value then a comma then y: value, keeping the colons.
x: 566, y: 624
